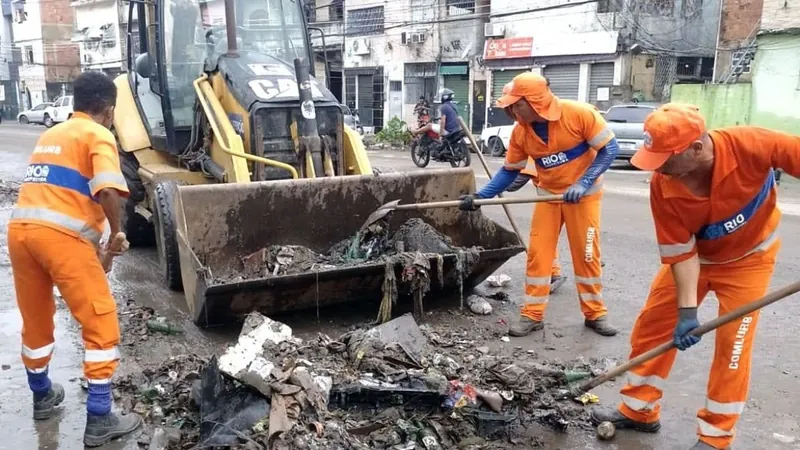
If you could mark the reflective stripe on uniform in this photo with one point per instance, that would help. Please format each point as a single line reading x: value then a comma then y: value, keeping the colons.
x: 595, y: 188
x: 100, y: 381
x: 724, y: 408
x: 57, y: 218
x: 40, y: 370
x: 516, y: 166
x: 672, y: 250
x: 638, y: 405
x: 37, y: 353
x: 110, y: 354
x: 706, y: 429
x: 601, y: 137
x: 103, y: 178
x: 591, y: 297
x: 764, y: 245
x: 588, y: 280
x: 535, y: 300
x: 538, y: 281
x: 649, y: 380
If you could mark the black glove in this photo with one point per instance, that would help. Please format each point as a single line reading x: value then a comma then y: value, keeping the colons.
x: 521, y: 180
x: 467, y: 202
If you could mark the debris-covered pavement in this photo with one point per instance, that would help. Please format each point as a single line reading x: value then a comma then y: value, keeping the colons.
x: 393, y: 386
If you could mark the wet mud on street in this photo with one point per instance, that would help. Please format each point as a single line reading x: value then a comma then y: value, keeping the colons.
x: 770, y: 420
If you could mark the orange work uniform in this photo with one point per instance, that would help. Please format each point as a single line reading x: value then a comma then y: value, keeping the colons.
x: 573, y: 142
x: 53, y: 238
x: 531, y: 171
x: 733, y: 232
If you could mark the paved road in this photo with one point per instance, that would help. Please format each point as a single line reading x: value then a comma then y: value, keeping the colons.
x: 628, y: 250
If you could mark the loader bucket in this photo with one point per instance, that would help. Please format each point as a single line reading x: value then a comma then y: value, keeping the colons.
x: 219, y: 224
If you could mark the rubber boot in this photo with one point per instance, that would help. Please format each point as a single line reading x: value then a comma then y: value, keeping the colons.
x: 601, y: 326
x: 44, y: 407
x: 525, y: 326
x: 600, y: 415
x: 700, y: 445
x: 102, y: 429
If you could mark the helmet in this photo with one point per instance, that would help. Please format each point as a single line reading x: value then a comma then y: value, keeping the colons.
x: 445, y: 95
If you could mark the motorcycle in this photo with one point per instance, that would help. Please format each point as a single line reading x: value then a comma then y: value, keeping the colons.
x: 430, y: 145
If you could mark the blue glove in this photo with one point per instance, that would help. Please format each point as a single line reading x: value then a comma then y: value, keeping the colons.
x: 467, y: 202
x: 687, y: 321
x: 575, y: 192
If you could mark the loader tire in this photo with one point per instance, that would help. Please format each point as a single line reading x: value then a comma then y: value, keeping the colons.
x: 166, y: 234
x: 139, y: 230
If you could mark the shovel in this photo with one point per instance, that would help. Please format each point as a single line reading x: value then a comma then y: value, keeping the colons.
x: 711, y: 325
x: 395, y: 205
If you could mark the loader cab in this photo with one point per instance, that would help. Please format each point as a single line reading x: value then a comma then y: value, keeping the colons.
x: 172, y: 42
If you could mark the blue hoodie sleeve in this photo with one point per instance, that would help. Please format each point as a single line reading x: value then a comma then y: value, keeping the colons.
x: 499, y: 183
x: 601, y: 163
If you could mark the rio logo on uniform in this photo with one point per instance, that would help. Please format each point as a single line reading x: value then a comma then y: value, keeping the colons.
x: 37, y: 173
x: 733, y: 224
x: 554, y: 160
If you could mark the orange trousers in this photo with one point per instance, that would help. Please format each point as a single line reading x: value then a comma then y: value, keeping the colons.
x: 582, y: 221
x: 735, y: 284
x: 41, y: 257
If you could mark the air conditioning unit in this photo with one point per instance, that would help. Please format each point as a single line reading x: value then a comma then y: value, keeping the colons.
x: 360, y: 46
x: 418, y: 38
x: 494, y: 30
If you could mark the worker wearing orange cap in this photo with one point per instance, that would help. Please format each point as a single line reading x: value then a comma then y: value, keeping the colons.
x: 713, y: 199
x: 572, y: 148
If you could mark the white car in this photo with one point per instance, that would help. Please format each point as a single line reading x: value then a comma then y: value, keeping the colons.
x: 35, y: 114
x: 60, y: 111
x: 495, y: 139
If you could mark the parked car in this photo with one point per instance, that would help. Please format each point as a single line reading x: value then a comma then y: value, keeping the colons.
x: 494, y: 140
x: 627, y: 123
x: 34, y: 115
x: 60, y: 111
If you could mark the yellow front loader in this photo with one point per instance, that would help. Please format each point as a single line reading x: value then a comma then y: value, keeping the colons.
x: 228, y: 143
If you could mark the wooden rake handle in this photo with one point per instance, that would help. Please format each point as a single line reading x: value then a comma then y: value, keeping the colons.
x: 480, y: 202
x: 118, y: 243
x: 711, y: 325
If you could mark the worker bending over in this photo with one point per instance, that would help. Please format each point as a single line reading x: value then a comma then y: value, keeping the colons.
x: 713, y: 199
x: 572, y: 147
x: 72, y: 185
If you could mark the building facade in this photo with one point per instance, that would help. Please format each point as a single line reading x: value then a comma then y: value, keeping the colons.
x: 98, y: 33
x: 10, y: 59
x: 603, y: 52
x: 776, y: 68
x: 399, y: 52
x: 739, y: 25
x: 50, y: 60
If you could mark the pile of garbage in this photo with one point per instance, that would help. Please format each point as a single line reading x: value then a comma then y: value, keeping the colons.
x: 394, y: 386
x: 373, y: 244
x: 9, y: 190
x: 413, y: 248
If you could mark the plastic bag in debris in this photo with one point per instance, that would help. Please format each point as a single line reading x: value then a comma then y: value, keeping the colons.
x: 418, y: 236
x: 226, y: 411
x: 498, y: 280
x: 460, y: 395
x: 479, y: 305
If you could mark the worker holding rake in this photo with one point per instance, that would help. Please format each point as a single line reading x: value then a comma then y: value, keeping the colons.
x: 714, y: 204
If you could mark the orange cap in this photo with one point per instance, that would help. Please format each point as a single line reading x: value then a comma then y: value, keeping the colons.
x: 535, y: 90
x: 668, y: 131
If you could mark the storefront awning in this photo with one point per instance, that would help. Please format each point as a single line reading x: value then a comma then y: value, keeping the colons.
x: 453, y: 70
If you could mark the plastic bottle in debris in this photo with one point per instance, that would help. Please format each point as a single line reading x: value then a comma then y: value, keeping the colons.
x: 163, y: 327
x: 429, y: 439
